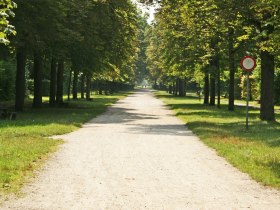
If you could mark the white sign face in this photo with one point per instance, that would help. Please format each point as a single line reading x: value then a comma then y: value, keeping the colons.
x: 248, y: 63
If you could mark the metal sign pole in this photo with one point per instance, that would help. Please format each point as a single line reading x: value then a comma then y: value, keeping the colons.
x: 248, y: 64
x: 247, y: 101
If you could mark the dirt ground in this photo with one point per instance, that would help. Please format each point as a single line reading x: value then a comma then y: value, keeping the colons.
x: 138, y: 155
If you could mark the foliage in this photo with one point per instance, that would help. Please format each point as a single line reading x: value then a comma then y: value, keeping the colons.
x: 6, y: 29
x: 141, y: 71
x: 211, y: 37
x: 254, y: 88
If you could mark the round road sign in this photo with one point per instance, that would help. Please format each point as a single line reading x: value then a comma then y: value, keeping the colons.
x: 248, y: 63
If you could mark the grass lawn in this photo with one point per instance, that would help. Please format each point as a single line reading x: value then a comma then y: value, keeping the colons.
x: 23, y: 142
x: 256, y: 152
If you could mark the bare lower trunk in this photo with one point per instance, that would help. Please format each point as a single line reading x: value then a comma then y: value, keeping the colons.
x: 69, y: 85
x: 20, y: 80
x: 182, y: 88
x: 231, y: 69
x: 83, y: 86
x: 75, y: 84
x: 38, y: 74
x: 212, y: 90
x: 267, y: 86
x: 88, y: 88
x: 53, y: 82
x: 59, y: 91
x: 218, y: 83
x: 206, y: 88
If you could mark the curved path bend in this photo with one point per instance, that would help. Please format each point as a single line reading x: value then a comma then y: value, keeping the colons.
x: 138, y: 155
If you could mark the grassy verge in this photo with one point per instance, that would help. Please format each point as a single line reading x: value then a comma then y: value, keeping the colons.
x: 256, y: 152
x: 23, y: 142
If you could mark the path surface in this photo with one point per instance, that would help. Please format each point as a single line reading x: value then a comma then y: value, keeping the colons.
x: 139, y: 156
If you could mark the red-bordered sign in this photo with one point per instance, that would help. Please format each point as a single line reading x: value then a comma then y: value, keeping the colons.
x: 248, y: 63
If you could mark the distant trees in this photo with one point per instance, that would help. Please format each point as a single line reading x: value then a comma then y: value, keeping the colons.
x: 211, y: 37
x: 71, y: 41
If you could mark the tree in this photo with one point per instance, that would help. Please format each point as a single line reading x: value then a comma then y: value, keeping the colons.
x: 263, y: 16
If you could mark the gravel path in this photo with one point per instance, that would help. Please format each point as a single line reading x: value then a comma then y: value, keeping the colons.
x: 139, y: 156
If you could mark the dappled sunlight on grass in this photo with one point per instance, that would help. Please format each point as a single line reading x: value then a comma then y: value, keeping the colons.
x: 256, y: 151
x: 23, y: 145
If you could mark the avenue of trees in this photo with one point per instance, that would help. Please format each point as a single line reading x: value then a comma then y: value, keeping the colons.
x: 202, y: 42
x: 54, y: 47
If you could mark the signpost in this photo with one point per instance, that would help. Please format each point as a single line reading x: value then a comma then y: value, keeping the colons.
x: 248, y: 64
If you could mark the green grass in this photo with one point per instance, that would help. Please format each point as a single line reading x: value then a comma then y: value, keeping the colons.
x: 23, y: 142
x: 256, y: 152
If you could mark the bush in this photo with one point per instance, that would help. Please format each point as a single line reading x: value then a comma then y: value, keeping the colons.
x: 254, y: 88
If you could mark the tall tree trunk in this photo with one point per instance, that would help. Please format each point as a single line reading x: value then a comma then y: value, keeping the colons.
x: 173, y: 88
x: 88, y: 88
x: 170, y: 89
x: 69, y: 85
x: 206, y: 87
x: 177, y: 87
x: 267, y: 86
x: 38, y: 76
x: 83, y: 86
x: 53, y: 82
x: 231, y: 58
x: 20, y: 80
x: 267, y: 75
x: 218, y: 82
x: 100, y: 87
x: 75, y: 84
x: 59, y: 91
x: 182, y: 88
x: 212, y: 89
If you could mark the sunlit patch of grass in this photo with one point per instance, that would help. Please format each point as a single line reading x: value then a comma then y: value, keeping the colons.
x: 23, y: 142
x: 256, y: 151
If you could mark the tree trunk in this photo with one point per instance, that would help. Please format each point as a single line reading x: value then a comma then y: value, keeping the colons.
x: 177, y: 87
x: 218, y: 82
x: 88, y: 88
x: 38, y: 76
x: 267, y: 86
x: 59, y: 91
x: 206, y: 87
x: 231, y: 69
x: 75, y: 85
x: 267, y: 75
x: 53, y: 82
x: 83, y: 86
x: 100, y: 87
x: 20, y: 80
x: 170, y: 89
x: 182, y: 89
x: 69, y: 84
x: 212, y: 89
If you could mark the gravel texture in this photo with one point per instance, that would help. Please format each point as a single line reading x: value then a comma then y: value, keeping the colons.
x: 138, y: 155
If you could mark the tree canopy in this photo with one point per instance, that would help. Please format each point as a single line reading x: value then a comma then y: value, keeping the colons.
x: 194, y: 39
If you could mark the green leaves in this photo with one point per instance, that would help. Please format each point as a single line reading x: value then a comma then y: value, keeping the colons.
x: 6, y: 29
